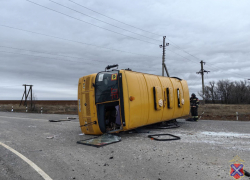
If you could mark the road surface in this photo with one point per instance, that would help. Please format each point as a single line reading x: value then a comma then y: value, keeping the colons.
x: 204, y: 151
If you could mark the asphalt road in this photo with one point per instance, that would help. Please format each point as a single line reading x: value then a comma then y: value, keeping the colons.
x: 204, y: 151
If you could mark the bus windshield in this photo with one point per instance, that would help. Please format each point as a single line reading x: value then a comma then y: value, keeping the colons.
x: 106, y: 86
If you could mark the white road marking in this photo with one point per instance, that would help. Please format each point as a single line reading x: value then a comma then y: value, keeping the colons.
x: 33, y: 165
x: 22, y: 118
x: 33, y: 118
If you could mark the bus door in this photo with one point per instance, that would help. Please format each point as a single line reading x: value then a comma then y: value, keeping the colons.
x: 107, y: 101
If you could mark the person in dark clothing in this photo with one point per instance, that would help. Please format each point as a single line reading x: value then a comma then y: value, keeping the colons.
x: 194, y: 103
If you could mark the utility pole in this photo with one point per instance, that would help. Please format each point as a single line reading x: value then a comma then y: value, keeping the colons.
x: 31, y: 96
x: 163, y: 56
x: 25, y: 102
x: 202, y: 71
x: 26, y: 95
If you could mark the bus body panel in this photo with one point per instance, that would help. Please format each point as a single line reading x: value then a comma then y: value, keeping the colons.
x: 177, y: 105
x: 138, y: 108
x: 168, y: 113
x: 153, y: 115
x: 86, y: 105
x: 186, y: 106
x: 126, y: 100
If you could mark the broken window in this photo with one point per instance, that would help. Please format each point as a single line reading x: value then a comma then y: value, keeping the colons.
x: 100, y: 141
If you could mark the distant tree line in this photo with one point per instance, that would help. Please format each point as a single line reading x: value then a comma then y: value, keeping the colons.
x: 227, y: 92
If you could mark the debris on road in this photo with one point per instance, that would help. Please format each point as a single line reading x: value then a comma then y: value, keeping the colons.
x: 32, y: 126
x: 100, y: 141
x: 158, y: 135
x: 50, y: 137
x: 36, y: 150
x: 71, y: 118
x: 81, y: 134
x: 59, y: 120
x: 165, y: 125
x: 137, y: 130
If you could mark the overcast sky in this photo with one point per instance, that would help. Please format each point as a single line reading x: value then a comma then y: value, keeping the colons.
x: 215, y: 31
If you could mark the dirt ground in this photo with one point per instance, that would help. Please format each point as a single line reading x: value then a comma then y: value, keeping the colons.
x: 211, y: 111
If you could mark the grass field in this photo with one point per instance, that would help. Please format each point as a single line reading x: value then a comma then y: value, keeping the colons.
x: 211, y: 111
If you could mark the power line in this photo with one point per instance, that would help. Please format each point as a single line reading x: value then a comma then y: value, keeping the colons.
x: 76, y: 41
x: 103, y: 28
x: 178, y: 47
x: 9, y: 85
x: 211, y: 66
x: 55, y: 54
x: 36, y: 56
x: 49, y: 53
x: 123, y: 29
x: 101, y: 20
x: 46, y: 57
x: 91, y: 62
x: 173, y: 44
x: 90, y: 23
x: 221, y: 68
x: 113, y: 25
x: 182, y: 56
x: 100, y: 46
x: 113, y: 18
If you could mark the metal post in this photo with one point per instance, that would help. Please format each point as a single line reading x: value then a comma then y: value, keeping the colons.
x: 25, y: 102
x: 237, y: 116
x: 26, y: 109
x: 41, y: 110
x: 202, y: 76
x: 163, y: 56
x: 26, y: 94
x: 31, y: 97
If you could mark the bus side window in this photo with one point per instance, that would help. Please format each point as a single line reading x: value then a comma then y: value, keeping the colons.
x: 170, y: 97
x: 158, y: 98
x: 179, y: 97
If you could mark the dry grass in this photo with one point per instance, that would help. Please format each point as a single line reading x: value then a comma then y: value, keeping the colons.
x: 225, y: 111
x: 49, y: 108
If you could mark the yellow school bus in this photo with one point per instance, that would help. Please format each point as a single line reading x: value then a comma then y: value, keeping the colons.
x: 120, y: 100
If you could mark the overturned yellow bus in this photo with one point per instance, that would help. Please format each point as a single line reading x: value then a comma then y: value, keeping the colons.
x: 120, y: 100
